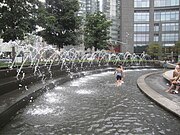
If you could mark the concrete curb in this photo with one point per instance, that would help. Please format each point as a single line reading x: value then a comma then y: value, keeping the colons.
x: 161, y: 100
x: 168, y: 75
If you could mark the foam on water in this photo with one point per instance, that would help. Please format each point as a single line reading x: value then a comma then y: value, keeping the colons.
x: 76, y: 83
x: 43, y: 110
x: 58, y: 88
x: 84, y: 91
x: 131, y: 70
x: 85, y: 79
x: 81, y: 81
x: 53, y: 98
x: 102, y: 74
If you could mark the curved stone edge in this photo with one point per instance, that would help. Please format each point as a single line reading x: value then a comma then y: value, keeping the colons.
x: 10, y: 112
x: 168, y: 75
x: 166, y: 103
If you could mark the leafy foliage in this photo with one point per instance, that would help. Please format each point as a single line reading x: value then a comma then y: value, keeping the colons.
x: 96, y: 30
x: 154, y: 50
x: 60, y: 22
x: 17, y: 17
x: 177, y: 47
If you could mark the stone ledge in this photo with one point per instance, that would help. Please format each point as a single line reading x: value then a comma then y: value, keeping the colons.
x: 158, y: 98
x: 168, y: 75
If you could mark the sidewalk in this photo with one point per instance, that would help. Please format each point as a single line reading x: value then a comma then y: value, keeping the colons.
x: 154, y: 86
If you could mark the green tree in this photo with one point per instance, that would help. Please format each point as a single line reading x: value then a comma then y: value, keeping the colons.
x: 60, y: 22
x: 177, y: 48
x: 96, y: 30
x: 154, y: 50
x: 17, y: 17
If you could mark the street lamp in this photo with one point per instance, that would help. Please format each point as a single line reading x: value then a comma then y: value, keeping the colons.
x: 127, y: 36
x: 172, y: 58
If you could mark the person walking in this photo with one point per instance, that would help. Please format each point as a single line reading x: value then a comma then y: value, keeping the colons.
x: 119, y: 75
x: 165, y: 65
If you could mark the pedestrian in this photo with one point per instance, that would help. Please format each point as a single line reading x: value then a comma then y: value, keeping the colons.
x: 175, y: 85
x: 176, y: 72
x: 119, y: 75
x: 165, y: 65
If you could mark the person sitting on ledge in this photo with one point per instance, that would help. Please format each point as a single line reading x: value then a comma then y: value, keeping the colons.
x: 176, y: 73
x: 175, y: 85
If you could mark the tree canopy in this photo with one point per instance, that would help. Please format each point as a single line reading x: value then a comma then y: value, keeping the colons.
x: 17, y: 17
x: 60, y: 22
x: 58, y: 18
x: 96, y: 31
x: 154, y: 50
x: 177, y: 47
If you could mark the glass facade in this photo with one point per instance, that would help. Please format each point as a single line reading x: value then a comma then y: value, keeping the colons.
x: 153, y: 21
x: 139, y: 48
x: 141, y: 17
x: 141, y: 27
x: 170, y: 27
x: 156, y: 38
x: 171, y: 37
x: 166, y: 15
x: 141, y: 37
x: 141, y: 3
x: 164, y: 3
x: 156, y: 27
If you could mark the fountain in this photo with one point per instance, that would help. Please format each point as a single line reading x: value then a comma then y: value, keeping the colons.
x: 93, y: 105
x: 42, y: 59
x: 44, y: 63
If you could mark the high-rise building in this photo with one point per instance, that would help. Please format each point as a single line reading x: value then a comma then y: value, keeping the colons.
x: 138, y: 23
x: 82, y: 8
x: 111, y: 8
x: 149, y: 21
x: 87, y: 7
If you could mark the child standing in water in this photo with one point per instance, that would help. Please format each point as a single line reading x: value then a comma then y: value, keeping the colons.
x: 119, y: 75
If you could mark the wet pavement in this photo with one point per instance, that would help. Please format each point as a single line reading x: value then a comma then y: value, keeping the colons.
x: 160, y: 85
x: 94, y: 105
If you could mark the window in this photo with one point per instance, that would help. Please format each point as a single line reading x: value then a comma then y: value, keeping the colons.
x: 141, y: 3
x: 156, y: 27
x: 140, y: 48
x: 170, y: 27
x: 141, y: 37
x: 156, y: 37
x: 141, y: 17
x: 166, y: 15
x: 170, y: 37
x: 163, y: 3
x: 141, y: 27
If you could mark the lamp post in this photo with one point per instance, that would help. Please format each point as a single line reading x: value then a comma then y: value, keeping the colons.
x: 127, y: 37
x: 172, y: 59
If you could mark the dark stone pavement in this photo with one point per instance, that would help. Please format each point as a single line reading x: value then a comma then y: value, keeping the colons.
x: 154, y: 86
